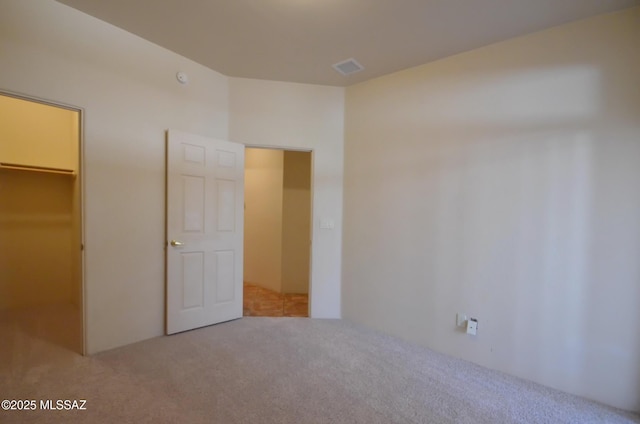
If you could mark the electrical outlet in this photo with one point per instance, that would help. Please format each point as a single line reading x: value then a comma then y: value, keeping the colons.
x: 472, y: 326
x: 461, y: 319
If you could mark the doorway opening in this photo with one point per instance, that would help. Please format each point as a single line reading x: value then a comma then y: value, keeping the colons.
x: 41, y: 295
x: 277, y: 232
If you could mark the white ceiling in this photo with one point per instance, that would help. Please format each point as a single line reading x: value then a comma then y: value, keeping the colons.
x: 299, y: 40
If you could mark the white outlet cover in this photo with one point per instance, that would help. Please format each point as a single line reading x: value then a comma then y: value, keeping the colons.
x: 461, y: 319
x: 472, y: 327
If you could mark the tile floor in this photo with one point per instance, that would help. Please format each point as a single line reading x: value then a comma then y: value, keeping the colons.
x: 261, y: 302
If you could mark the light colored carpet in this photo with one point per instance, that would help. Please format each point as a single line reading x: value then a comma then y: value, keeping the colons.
x: 277, y: 370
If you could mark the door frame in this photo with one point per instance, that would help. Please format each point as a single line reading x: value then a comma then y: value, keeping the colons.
x: 81, y: 203
x: 311, y: 217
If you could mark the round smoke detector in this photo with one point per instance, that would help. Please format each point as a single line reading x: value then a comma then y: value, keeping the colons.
x: 182, y: 78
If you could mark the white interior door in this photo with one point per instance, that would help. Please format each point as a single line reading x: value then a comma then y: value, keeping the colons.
x: 205, y: 198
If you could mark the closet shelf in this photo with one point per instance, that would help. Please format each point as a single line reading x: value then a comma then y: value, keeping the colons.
x: 18, y: 167
x: 37, y: 219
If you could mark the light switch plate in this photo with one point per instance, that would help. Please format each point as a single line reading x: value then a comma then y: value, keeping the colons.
x: 327, y: 224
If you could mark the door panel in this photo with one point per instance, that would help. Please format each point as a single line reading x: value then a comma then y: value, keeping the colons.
x: 226, y: 205
x: 225, y: 261
x: 205, y: 194
x: 192, y: 280
x: 193, y: 206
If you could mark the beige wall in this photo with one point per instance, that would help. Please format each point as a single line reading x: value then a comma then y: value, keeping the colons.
x: 302, y: 117
x: 36, y: 134
x: 517, y: 161
x: 130, y: 96
x: 35, y: 239
x: 296, y: 222
x: 263, y: 218
x: 503, y: 183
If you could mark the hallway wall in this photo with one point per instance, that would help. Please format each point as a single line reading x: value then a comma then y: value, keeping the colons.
x: 277, y: 219
x: 263, y: 218
x: 296, y: 222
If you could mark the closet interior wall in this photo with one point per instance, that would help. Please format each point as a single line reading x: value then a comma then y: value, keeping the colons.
x: 40, y: 221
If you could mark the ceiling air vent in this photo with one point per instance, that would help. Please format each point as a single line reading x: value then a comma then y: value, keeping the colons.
x: 348, y: 67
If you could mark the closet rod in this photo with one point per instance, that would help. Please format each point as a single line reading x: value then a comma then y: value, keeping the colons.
x: 36, y: 168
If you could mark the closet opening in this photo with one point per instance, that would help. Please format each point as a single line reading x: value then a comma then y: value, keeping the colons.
x: 277, y: 232
x: 41, y: 260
